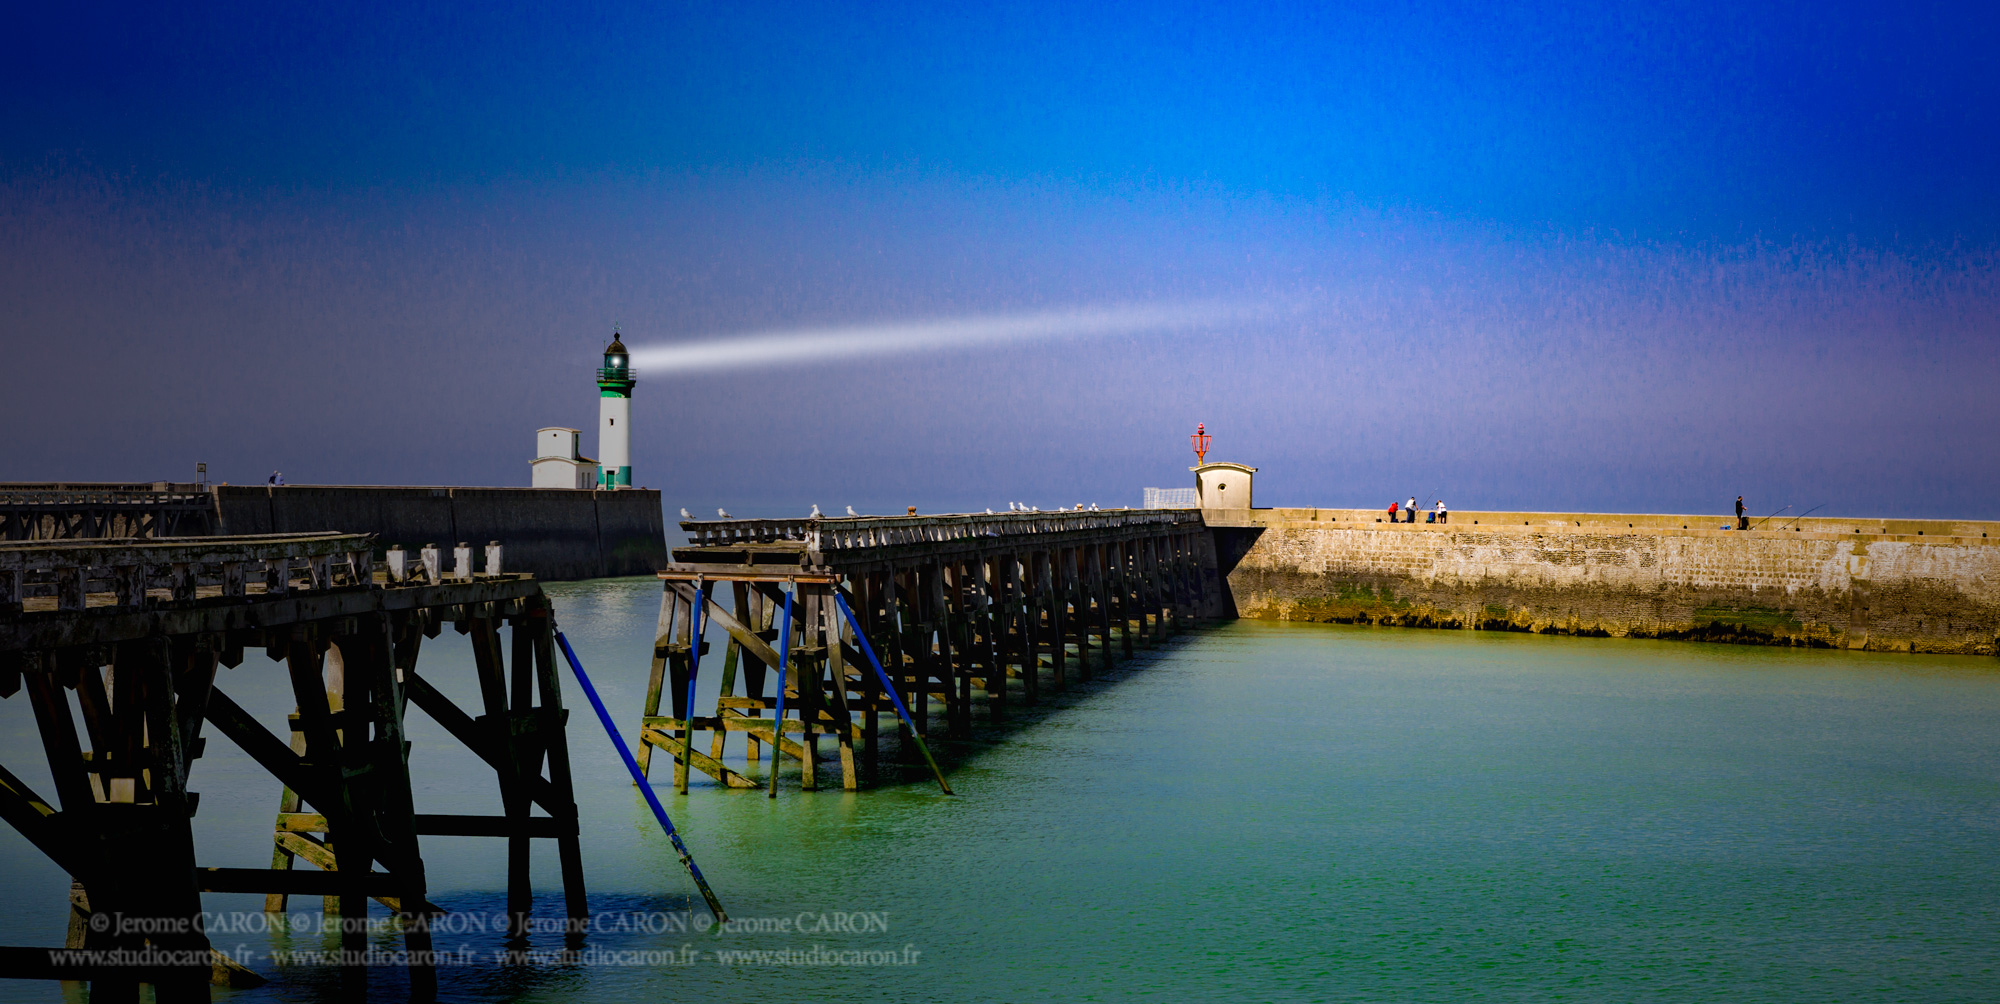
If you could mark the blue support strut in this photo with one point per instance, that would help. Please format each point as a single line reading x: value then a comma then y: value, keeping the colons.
x: 778, y: 722
x: 659, y: 811
x: 869, y: 651
x: 686, y: 765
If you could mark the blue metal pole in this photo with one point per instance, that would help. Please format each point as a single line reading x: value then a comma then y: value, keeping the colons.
x: 869, y: 651
x: 778, y: 723
x: 659, y: 811
x: 694, y: 673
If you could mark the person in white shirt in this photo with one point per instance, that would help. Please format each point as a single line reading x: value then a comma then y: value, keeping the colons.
x: 1411, y: 508
x: 1442, y: 514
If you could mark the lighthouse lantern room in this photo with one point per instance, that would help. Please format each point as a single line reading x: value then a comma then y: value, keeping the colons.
x: 614, y: 423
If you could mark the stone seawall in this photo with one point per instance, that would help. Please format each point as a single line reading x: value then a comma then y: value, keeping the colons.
x: 551, y: 533
x: 1933, y: 589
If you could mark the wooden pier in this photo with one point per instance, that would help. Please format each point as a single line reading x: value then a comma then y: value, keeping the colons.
x: 961, y: 612
x: 59, y: 511
x: 129, y: 635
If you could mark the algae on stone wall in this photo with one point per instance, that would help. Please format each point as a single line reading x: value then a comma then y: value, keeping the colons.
x: 1893, y: 593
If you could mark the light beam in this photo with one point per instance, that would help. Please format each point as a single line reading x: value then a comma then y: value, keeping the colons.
x: 802, y: 345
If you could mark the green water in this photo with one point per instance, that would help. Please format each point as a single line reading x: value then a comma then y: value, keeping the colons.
x: 1256, y: 812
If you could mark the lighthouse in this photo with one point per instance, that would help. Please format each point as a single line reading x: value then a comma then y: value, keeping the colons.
x: 614, y: 410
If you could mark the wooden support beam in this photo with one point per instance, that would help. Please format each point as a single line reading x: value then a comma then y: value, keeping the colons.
x: 1048, y: 591
x: 805, y: 667
x: 569, y: 850
x: 739, y: 633
x: 671, y: 741
x: 474, y: 736
x: 40, y: 823
x: 374, y: 685
x: 989, y: 621
x: 681, y: 660
x: 274, y: 756
x: 836, y: 669
x: 656, y: 677
x: 59, y: 742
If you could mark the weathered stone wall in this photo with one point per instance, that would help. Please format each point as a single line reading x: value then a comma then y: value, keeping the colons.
x: 1937, y: 590
x: 552, y: 533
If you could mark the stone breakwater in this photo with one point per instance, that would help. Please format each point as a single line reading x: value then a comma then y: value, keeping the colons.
x: 1932, y: 586
x: 550, y: 533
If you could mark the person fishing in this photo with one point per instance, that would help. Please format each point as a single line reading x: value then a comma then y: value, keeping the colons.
x: 1443, y: 516
x: 1410, y: 508
x: 1742, y: 521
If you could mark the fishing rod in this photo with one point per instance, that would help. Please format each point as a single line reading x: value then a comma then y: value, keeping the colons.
x: 1767, y: 519
x: 1794, y: 520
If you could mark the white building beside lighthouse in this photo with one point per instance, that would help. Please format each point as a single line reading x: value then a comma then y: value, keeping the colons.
x: 614, y: 422
x: 559, y: 460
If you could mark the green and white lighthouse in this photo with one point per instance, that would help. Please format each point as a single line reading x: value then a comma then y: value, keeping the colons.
x: 614, y: 423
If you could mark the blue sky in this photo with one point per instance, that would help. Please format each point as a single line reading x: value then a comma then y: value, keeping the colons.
x: 1551, y: 257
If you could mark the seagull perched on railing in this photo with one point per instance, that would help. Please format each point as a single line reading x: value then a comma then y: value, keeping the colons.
x: 815, y: 512
x: 851, y: 512
x: 724, y: 513
x: 1093, y: 507
x: 685, y: 514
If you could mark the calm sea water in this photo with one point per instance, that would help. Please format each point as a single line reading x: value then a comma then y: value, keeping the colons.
x: 1257, y: 812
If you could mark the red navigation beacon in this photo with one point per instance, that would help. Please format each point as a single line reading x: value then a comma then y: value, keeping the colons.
x: 1200, y: 441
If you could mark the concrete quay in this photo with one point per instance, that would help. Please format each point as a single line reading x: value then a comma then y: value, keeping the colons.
x: 551, y: 533
x: 1879, y: 585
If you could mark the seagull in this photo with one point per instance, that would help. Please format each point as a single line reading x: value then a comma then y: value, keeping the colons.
x: 724, y: 513
x: 685, y: 514
x: 1093, y: 507
x: 815, y: 512
x: 989, y: 510
x: 1034, y: 508
x: 1011, y: 505
x: 851, y: 512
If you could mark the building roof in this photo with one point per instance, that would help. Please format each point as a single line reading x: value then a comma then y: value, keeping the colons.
x: 616, y: 347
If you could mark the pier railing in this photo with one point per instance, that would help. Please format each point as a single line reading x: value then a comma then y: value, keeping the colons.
x: 127, y: 572
x: 64, y: 512
x: 99, y: 496
x: 825, y: 534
